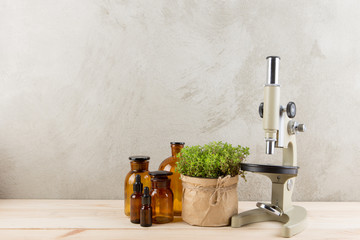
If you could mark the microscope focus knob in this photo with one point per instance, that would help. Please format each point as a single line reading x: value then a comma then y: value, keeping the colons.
x: 291, y: 109
x: 261, y: 110
x: 295, y: 127
x: 301, y: 127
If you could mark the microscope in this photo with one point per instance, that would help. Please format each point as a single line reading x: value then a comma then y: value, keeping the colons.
x: 280, y: 131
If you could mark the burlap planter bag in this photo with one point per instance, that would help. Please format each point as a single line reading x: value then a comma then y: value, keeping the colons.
x: 209, y: 201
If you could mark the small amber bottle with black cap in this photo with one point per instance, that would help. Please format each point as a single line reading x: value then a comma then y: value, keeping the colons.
x: 169, y: 164
x: 135, y: 200
x: 146, y: 211
x: 161, y: 197
x: 139, y: 165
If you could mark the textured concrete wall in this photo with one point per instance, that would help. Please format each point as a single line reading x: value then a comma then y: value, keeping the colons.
x: 85, y: 84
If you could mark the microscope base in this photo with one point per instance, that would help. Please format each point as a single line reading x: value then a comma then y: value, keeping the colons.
x: 294, y: 219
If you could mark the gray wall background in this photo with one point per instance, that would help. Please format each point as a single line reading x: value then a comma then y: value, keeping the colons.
x: 85, y: 84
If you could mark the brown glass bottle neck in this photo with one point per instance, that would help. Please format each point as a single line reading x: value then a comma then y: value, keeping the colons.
x: 175, y: 149
x: 164, y: 183
x: 138, y: 166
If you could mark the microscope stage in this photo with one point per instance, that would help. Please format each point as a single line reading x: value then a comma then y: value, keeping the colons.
x: 293, y: 170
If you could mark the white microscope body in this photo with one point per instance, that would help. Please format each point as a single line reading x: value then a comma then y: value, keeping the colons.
x: 280, y: 132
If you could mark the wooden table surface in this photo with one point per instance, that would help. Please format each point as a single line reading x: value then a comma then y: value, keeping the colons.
x: 104, y: 219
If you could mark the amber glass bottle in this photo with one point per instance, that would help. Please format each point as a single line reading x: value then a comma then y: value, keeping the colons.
x: 135, y: 200
x: 146, y: 211
x: 169, y: 164
x: 139, y: 165
x: 161, y: 197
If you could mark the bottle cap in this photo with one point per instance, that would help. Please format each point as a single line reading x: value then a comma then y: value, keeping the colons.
x: 177, y: 143
x: 146, y: 198
x: 138, y: 186
x: 139, y: 158
x: 160, y: 174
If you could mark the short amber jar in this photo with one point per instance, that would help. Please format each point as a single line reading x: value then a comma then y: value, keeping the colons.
x: 139, y: 165
x: 161, y: 197
x: 169, y: 164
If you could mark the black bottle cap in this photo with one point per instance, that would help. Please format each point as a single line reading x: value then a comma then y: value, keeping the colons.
x: 139, y: 158
x: 138, y: 186
x: 177, y: 143
x: 160, y: 174
x: 146, y: 198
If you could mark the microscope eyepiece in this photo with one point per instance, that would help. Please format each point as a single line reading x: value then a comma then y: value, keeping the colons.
x: 273, y: 70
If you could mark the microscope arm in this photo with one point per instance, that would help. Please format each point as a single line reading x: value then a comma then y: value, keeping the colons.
x: 288, y: 140
x: 287, y: 136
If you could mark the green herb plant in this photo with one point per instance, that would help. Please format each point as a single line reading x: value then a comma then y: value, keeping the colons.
x: 213, y: 160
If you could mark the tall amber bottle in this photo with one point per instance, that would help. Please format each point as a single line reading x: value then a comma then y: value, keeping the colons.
x: 139, y: 165
x: 161, y: 197
x: 169, y: 164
